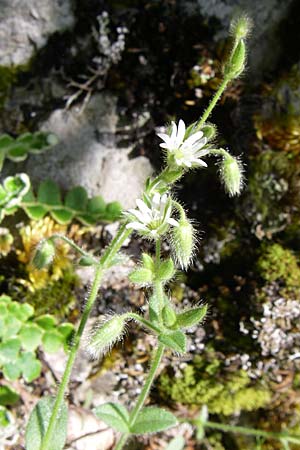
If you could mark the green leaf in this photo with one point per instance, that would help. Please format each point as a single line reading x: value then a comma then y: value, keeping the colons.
x: 152, y: 420
x: 31, y: 336
x: 148, y: 262
x: 9, y: 350
x: 165, y: 270
x: 4, y: 417
x: 49, y: 193
x: 52, y: 341
x: 11, y: 371
x: 96, y: 205
x: 35, y: 212
x: 8, y: 396
x: 177, y: 443
x: 191, y: 317
x: 38, y: 424
x: 141, y: 276
x: 175, y: 340
x: 30, y: 366
x: 62, y: 216
x: 17, y: 153
x: 47, y: 322
x: 26, y: 311
x: 114, y: 415
x: 11, y: 326
x: 77, y: 199
x: 113, y: 211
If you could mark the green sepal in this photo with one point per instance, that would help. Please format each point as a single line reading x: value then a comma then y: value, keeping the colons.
x: 39, y: 422
x: 191, y: 317
x: 175, y: 340
x: 153, y: 420
x: 114, y: 415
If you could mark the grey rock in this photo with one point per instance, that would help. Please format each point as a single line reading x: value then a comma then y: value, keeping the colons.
x: 87, y: 154
x: 264, y: 43
x: 85, y: 431
x: 25, y: 26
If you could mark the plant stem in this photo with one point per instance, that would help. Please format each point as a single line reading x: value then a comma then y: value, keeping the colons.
x: 73, y: 245
x: 110, y: 252
x: 145, y: 391
x: 144, y: 322
x: 73, y: 352
x: 252, y: 432
x: 213, y: 102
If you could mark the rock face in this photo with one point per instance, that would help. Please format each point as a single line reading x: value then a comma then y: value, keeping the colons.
x: 25, y: 26
x: 87, y: 154
x: 265, y: 43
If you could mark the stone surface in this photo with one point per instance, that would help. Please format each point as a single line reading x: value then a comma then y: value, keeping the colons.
x: 87, y: 154
x: 265, y: 43
x: 25, y: 26
x: 85, y: 431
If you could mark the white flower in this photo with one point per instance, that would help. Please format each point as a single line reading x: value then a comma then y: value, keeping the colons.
x: 153, y: 216
x: 187, y: 152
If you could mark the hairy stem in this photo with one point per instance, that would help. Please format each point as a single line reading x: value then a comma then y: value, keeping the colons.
x: 146, y: 323
x: 104, y: 262
x: 213, y: 102
x: 144, y: 394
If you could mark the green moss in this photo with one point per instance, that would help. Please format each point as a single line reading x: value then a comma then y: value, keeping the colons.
x: 206, y: 383
x: 8, y: 77
x: 56, y: 298
x: 279, y: 264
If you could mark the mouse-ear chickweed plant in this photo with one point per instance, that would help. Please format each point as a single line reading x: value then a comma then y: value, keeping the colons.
x: 157, y: 217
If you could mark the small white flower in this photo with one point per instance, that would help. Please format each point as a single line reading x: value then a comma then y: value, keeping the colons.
x: 186, y: 152
x: 152, y: 216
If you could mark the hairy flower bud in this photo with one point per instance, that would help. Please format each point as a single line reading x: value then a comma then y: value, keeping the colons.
x: 44, y: 254
x: 231, y: 172
x: 183, y: 241
x: 241, y: 27
x: 236, y: 64
x: 102, y: 339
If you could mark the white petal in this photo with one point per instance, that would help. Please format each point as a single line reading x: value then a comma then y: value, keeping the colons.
x: 165, y: 137
x: 200, y: 162
x: 142, y: 217
x: 192, y: 139
x: 136, y: 226
x: 173, y: 222
x: 180, y: 133
x: 156, y: 200
x: 174, y: 132
x: 167, y: 146
x: 142, y: 206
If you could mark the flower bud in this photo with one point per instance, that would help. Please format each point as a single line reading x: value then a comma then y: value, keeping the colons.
x: 236, y: 63
x: 241, y: 27
x: 44, y: 254
x: 104, y: 338
x: 231, y: 171
x: 183, y: 241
